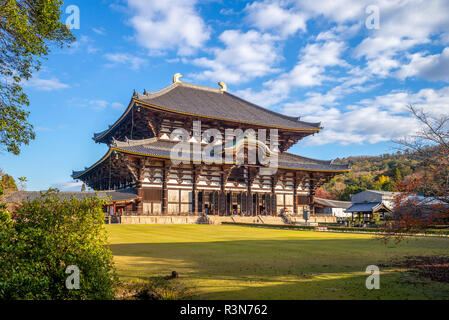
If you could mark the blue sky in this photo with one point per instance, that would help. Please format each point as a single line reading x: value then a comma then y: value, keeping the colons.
x: 323, y: 60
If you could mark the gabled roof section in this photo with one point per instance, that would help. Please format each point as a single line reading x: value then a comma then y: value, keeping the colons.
x: 213, y: 103
x: 368, y: 207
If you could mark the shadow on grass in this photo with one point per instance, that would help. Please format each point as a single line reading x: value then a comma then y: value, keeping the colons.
x: 281, y: 269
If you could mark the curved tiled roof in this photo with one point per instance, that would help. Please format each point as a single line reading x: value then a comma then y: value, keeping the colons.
x: 200, y: 101
x: 154, y: 147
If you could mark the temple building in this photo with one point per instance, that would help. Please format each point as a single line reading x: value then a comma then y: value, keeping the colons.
x: 140, y: 158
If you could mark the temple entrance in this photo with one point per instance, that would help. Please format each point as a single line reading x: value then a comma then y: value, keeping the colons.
x: 235, y: 203
x: 208, y: 202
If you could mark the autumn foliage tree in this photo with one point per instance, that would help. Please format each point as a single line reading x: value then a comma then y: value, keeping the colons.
x: 424, y: 198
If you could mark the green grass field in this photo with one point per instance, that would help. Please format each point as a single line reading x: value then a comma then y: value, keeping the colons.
x: 230, y: 262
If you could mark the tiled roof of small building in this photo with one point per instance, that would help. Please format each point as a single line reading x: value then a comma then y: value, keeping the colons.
x: 367, y: 207
x: 332, y: 203
x: 108, y: 195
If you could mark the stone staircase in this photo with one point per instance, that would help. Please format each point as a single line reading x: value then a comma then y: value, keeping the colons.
x: 204, y: 219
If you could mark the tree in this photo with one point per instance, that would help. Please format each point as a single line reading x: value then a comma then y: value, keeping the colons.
x: 397, y: 176
x: 47, y: 235
x: 27, y: 29
x: 7, y: 183
x: 430, y: 147
x: 324, y: 194
x: 83, y: 187
x: 349, y: 191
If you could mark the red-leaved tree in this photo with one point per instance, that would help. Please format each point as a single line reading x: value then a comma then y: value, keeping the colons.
x: 424, y: 197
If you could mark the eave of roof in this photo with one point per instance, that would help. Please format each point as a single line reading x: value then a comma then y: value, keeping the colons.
x: 161, y: 149
x: 367, y: 207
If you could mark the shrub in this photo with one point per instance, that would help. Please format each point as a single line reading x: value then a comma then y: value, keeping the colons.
x: 45, y: 236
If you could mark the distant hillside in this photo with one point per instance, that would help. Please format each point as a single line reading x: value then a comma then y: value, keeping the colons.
x: 371, y: 172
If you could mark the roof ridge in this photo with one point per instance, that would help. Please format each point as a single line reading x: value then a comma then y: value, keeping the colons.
x: 158, y: 93
x: 200, y: 87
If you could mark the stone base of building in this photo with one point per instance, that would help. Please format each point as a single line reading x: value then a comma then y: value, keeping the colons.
x: 219, y: 219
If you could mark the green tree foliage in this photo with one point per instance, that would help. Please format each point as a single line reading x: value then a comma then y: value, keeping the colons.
x: 44, y: 237
x: 7, y: 183
x: 27, y: 29
x: 349, y: 191
x: 383, y: 172
x: 397, y: 176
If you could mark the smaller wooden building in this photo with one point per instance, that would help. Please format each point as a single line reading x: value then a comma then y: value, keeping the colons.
x: 365, y: 212
x: 117, y: 201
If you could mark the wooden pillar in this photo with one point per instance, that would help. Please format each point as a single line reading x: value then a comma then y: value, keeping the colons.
x: 295, y: 195
x: 312, y: 194
x: 194, y: 192
x: 273, y: 197
x: 195, y: 201
x: 250, y: 195
x: 222, y: 196
x: 165, y: 173
x: 139, y: 206
x: 241, y: 203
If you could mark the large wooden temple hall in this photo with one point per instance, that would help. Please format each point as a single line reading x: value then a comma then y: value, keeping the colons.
x: 139, y: 158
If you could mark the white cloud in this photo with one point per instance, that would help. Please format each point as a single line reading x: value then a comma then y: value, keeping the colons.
x: 100, y: 31
x: 117, y: 105
x: 101, y: 105
x: 132, y: 61
x: 309, y: 71
x: 431, y: 67
x: 403, y: 25
x: 42, y: 129
x: 98, y: 104
x: 268, y: 16
x: 40, y: 84
x: 370, y: 120
x: 83, y: 43
x: 94, y: 104
x: 339, y: 32
x: 69, y: 186
x: 339, y: 11
x: 244, y: 57
x: 168, y: 24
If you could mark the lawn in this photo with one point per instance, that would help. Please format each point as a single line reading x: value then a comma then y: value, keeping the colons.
x: 232, y: 262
